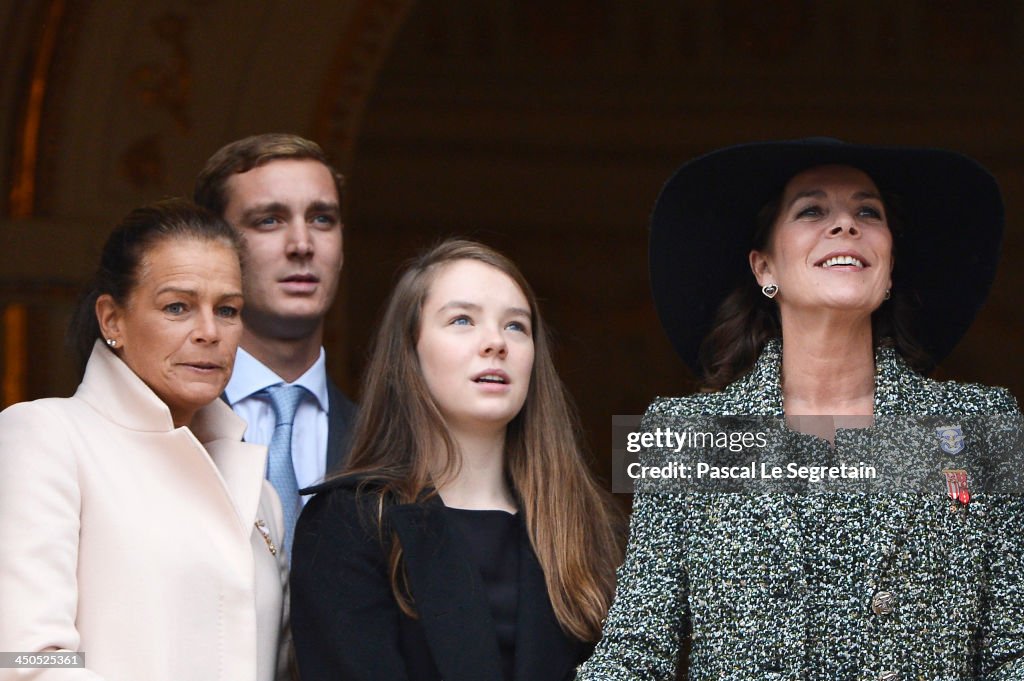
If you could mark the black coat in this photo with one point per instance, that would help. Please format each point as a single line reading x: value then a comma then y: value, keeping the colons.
x: 347, y: 625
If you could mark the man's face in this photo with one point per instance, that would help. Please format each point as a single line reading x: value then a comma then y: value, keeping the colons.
x: 289, y: 215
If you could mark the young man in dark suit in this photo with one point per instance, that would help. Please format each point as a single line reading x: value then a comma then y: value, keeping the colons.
x: 282, y: 195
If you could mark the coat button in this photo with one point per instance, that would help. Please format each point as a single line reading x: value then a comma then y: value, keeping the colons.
x: 888, y: 676
x: 883, y: 603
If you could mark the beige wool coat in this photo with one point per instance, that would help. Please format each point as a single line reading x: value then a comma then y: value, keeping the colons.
x: 136, y: 542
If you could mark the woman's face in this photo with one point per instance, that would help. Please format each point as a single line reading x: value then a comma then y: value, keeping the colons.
x: 830, y: 246
x: 475, y: 346
x: 180, y: 327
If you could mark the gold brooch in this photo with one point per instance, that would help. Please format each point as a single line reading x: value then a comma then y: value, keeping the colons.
x: 265, y: 531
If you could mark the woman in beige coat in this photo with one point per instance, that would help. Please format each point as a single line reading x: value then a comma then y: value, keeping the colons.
x: 135, y: 525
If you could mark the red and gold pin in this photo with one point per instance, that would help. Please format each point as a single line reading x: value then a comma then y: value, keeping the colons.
x: 956, y: 485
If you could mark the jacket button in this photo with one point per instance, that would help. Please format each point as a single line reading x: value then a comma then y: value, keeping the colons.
x: 883, y: 603
x: 888, y: 676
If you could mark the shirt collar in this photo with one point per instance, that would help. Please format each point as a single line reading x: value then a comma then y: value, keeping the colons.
x: 250, y: 376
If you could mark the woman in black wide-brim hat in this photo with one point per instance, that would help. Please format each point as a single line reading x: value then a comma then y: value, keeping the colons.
x: 809, y: 278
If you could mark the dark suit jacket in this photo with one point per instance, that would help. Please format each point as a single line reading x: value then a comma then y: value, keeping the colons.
x: 341, y: 419
x: 347, y: 625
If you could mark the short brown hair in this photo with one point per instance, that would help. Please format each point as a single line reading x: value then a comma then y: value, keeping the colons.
x: 251, y: 152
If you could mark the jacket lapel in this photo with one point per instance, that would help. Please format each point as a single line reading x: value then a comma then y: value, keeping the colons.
x: 449, y: 595
x: 241, y: 464
x: 120, y: 395
x: 543, y: 650
x: 759, y: 392
x: 892, y: 515
x: 894, y: 385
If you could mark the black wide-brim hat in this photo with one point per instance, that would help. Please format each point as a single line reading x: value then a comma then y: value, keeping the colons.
x: 946, y: 253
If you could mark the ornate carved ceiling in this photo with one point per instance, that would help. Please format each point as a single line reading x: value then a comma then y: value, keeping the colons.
x: 545, y: 126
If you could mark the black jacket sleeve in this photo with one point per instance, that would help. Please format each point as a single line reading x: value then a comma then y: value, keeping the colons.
x: 345, y: 621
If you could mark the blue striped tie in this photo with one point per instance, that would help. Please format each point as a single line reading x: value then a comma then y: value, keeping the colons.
x: 285, y: 400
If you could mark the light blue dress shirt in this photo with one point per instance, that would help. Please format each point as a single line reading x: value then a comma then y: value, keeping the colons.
x: 309, y: 434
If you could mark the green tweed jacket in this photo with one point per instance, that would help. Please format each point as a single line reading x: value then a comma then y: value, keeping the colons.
x: 910, y: 584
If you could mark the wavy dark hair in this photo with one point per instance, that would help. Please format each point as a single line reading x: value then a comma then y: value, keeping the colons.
x: 124, y: 251
x: 574, y: 526
x: 746, y: 319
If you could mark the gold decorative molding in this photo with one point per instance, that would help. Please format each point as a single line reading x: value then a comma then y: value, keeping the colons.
x: 161, y: 86
x: 167, y: 86
x: 23, y: 186
x: 362, y: 49
x: 142, y: 162
x: 15, y: 335
x: 22, y: 197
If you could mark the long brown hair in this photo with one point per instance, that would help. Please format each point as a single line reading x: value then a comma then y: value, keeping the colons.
x: 746, y: 320
x: 574, y: 526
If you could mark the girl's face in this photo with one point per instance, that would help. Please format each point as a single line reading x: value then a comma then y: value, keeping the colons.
x: 475, y: 346
x: 830, y: 247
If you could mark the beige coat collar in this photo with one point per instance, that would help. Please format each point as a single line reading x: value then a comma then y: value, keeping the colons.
x: 120, y: 396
